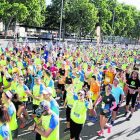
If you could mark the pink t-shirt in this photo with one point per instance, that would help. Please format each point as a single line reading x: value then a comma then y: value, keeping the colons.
x: 53, y: 69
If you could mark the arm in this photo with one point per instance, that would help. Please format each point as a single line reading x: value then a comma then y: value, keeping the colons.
x: 114, y: 106
x: 45, y: 134
x: 7, y: 86
x: 6, y: 138
x: 100, y: 98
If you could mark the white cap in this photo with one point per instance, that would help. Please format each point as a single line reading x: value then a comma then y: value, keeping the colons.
x: 48, y: 90
x: 64, y: 63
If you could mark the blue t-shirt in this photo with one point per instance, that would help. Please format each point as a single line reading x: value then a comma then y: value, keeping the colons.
x: 116, y: 92
x: 54, y: 106
x: 11, y: 110
x: 4, y: 131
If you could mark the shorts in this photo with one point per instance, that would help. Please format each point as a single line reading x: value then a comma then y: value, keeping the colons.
x: 107, y: 115
x: 19, y: 103
x: 34, y: 107
x: 61, y: 86
x: 14, y: 133
x: 115, y: 109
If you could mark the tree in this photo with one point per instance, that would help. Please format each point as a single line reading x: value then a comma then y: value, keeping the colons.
x: 80, y: 15
x: 26, y: 12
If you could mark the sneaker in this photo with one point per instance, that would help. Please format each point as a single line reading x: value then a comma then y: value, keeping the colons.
x: 89, y: 117
x: 62, y: 102
x: 101, y: 133
x: 112, y: 122
x: 67, y: 130
x: 129, y: 117
x: 94, y: 119
x: 29, y: 120
x: 23, y: 124
x: 126, y: 113
x: 109, y: 129
x: 138, y: 105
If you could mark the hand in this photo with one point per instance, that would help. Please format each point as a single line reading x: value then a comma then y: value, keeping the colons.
x: 64, y: 106
x: 31, y: 128
x: 131, y: 91
x: 106, y: 111
x: 77, y: 82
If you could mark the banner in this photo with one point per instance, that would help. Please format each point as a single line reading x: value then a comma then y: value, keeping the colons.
x: 98, y: 34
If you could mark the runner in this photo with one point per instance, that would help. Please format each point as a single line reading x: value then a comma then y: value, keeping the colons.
x: 6, y: 100
x: 133, y: 86
x: 106, y: 109
x: 50, y: 121
x: 116, y: 92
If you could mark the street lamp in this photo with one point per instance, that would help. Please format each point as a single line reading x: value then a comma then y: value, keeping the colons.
x: 61, y: 21
x: 113, y: 21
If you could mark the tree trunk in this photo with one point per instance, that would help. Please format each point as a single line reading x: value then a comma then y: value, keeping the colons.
x: 64, y: 31
x: 15, y: 30
x: 7, y: 24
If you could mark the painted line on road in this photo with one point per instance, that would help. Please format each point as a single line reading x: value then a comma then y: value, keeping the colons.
x: 66, y: 137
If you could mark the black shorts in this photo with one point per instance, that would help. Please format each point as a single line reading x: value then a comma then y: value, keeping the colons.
x: 14, y: 133
x: 115, y: 109
x: 19, y: 103
x: 34, y: 107
x: 61, y: 86
x: 107, y: 115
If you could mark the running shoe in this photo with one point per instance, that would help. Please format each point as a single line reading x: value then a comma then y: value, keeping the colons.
x: 94, y: 119
x: 23, y: 124
x: 89, y: 117
x: 101, y: 133
x: 67, y: 130
x: 112, y: 122
x: 129, y: 117
x: 126, y: 113
x: 29, y: 120
x: 109, y: 129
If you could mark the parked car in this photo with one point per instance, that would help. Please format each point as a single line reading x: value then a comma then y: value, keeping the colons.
x: 46, y: 36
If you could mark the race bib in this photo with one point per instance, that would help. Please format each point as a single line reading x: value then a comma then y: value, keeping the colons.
x: 107, y: 80
x: 103, y: 105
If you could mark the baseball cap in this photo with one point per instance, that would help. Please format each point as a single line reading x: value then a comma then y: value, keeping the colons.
x: 37, y: 77
x: 48, y: 90
x: 116, y: 79
x: 43, y: 106
x: 64, y: 63
x: 81, y: 91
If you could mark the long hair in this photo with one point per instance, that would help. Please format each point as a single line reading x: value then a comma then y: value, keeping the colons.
x: 4, y: 115
x: 137, y: 74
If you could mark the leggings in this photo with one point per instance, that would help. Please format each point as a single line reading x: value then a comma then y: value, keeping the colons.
x: 64, y: 95
x: 133, y: 97
x: 68, y: 110
x: 75, y: 130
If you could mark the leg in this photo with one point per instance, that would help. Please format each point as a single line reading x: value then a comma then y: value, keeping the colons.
x: 101, y: 121
x: 114, y: 115
x: 78, y: 131
x: 26, y: 114
x: 19, y: 113
x: 72, y: 130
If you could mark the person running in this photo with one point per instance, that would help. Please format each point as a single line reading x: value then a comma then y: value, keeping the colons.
x: 49, y: 120
x: 116, y: 92
x: 106, y: 108
x: 48, y: 81
x: 78, y: 113
x: 133, y: 86
x: 5, y: 132
x: 22, y: 99
x: 95, y: 90
x: 6, y: 100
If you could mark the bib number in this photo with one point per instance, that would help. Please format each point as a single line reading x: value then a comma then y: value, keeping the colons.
x: 103, y: 105
x: 107, y: 80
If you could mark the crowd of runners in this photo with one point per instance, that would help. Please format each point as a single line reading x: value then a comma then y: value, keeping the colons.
x: 81, y: 76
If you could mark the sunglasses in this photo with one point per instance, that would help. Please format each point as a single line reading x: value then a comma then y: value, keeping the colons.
x: 14, y: 75
x: 21, y: 79
x: 108, y: 88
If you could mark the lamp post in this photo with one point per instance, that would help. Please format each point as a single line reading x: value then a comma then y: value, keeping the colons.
x: 61, y: 21
x: 113, y: 21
